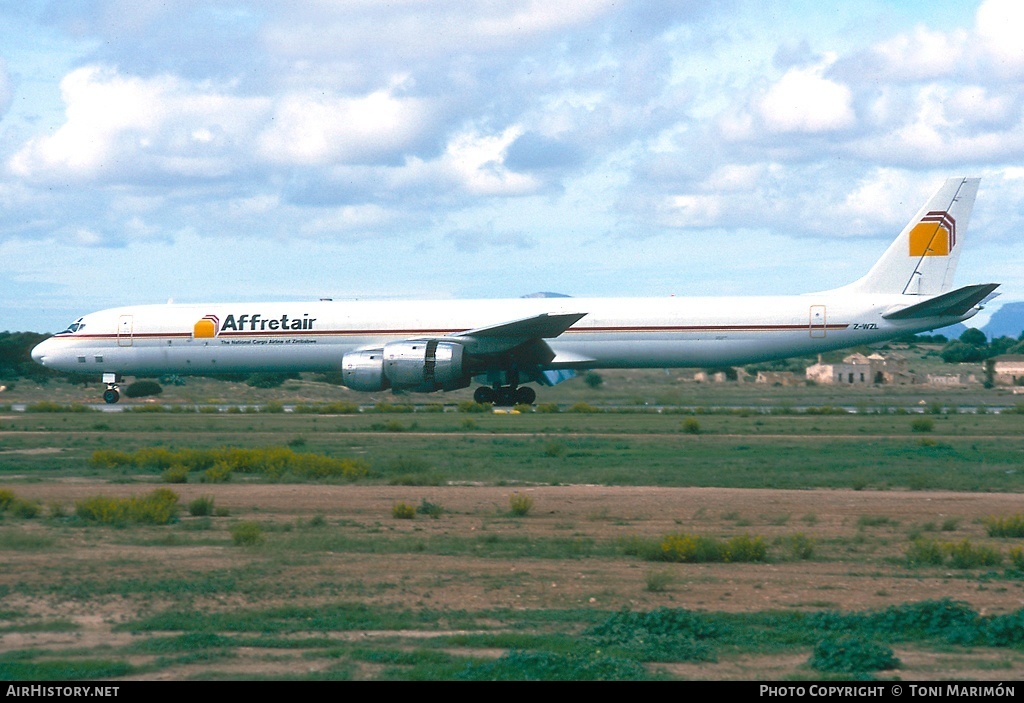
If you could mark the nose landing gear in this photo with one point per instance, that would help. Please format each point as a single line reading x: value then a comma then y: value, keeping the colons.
x: 112, y: 394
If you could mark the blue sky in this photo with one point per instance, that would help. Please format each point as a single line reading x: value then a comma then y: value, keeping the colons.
x: 219, y: 151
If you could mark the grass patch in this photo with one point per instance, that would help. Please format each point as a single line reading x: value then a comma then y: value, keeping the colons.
x: 1005, y: 526
x: 158, y: 508
x: 683, y: 547
x: 247, y: 533
x: 520, y: 504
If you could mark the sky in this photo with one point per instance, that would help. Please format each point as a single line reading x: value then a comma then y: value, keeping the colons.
x: 220, y: 151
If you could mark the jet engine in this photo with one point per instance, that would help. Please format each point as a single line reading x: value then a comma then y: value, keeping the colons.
x: 364, y: 371
x: 421, y: 365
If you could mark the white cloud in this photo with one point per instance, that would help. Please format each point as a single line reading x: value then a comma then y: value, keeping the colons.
x: 314, y: 129
x: 119, y: 127
x: 999, y: 25
x: 922, y: 54
x: 883, y: 198
x: 416, y: 29
x: 803, y: 100
x: 477, y: 162
x: 357, y: 219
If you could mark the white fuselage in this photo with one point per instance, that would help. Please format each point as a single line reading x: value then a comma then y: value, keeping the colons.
x: 614, y: 333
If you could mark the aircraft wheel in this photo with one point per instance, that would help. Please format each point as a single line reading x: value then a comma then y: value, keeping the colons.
x: 525, y: 395
x: 111, y: 396
x: 484, y: 394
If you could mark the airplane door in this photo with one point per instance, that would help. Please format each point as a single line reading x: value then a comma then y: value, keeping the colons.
x: 817, y: 321
x: 124, y: 331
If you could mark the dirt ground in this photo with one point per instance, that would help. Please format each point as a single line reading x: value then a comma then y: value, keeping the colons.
x: 860, y: 538
x: 860, y: 541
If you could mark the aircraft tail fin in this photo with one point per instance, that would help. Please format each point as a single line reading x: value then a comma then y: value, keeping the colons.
x: 922, y: 260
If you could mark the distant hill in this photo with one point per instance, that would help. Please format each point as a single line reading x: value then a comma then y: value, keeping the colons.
x: 951, y: 332
x: 1007, y: 321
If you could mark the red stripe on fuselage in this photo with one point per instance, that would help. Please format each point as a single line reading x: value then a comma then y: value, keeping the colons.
x: 442, y: 333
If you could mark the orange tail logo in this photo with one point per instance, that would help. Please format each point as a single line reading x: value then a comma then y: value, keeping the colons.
x: 934, y: 235
x: 206, y: 328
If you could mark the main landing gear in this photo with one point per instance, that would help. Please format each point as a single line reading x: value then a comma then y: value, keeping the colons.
x: 505, y: 396
x: 112, y: 394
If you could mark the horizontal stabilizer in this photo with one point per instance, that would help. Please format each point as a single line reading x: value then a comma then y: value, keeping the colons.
x: 952, y: 304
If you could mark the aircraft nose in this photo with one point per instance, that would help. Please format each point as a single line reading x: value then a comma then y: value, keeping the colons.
x: 39, y: 353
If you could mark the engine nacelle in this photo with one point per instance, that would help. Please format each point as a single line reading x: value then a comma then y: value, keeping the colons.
x: 364, y: 371
x: 425, y: 366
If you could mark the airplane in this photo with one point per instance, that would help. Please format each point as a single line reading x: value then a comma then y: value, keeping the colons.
x: 431, y: 345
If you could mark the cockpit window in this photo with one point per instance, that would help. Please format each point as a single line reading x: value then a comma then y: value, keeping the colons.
x: 74, y: 327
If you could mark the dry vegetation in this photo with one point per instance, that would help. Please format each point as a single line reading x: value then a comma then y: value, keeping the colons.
x: 470, y: 545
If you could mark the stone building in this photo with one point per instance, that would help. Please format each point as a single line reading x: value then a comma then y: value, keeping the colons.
x: 1007, y: 370
x: 858, y: 369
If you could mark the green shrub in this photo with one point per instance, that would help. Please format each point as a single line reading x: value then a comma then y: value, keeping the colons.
x: 110, y: 458
x: 958, y: 555
x: 158, y: 508
x: 429, y: 509
x: 642, y: 547
x: 582, y: 407
x: 922, y: 424
x: 24, y: 508
x: 691, y: 426
x: 519, y: 665
x: 520, y: 504
x: 468, y: 406
x: 799, y: 546
x: 852, y: 655
x: 403, y: 511
x: 247, y: 533
x: 385, y: 407
x: 658, y: 581
x: 548, y: 408
x: 662, y: 635
x: 175, y: 474
x: 555, y: 449
x: 46, y: 406
x: 6, y: 497
x: 218, y: 473
x: 744, y: 549
x: 1017, y: 558
x: 684, y: 547
x: 264, y: 379
x: 219, y: 463
x: 925, y: 552
x: 142, y: 389
x: 1010, y: 526
x: 201, y: 506
x: 964, y: 555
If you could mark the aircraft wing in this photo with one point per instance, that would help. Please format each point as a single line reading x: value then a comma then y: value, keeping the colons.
x: 954, y: 303
x: 544, y: 326
x: 505, y: 336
